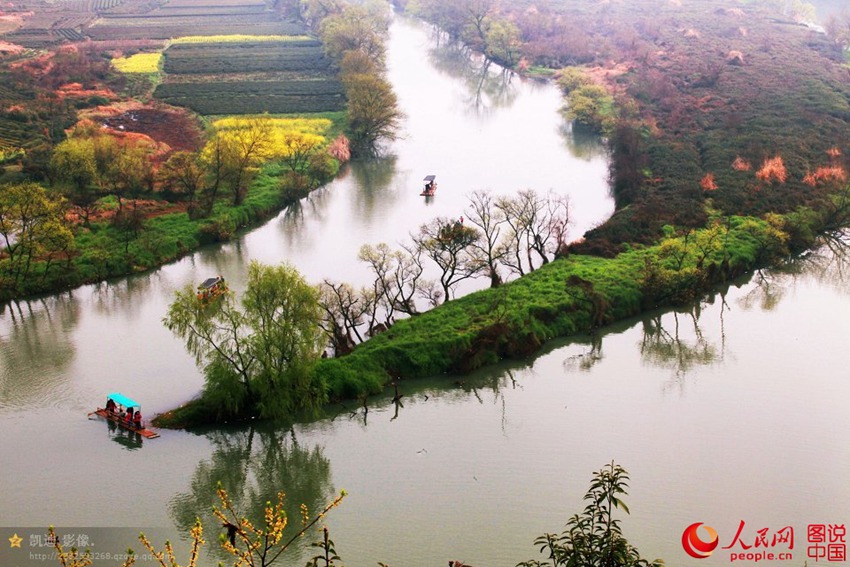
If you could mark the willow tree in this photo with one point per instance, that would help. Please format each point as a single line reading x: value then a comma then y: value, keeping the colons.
x: 373, y: 111
x: 257, y: 353
x: 34, y: 232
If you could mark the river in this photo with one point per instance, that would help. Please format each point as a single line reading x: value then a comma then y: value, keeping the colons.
x: 730, y: 411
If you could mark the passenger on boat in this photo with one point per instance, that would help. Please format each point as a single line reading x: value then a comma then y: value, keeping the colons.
x: 129, y: 417
x: 110, y: 405
x: 137, y: 419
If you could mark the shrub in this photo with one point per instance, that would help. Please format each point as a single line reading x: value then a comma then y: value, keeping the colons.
x: 218, y: 229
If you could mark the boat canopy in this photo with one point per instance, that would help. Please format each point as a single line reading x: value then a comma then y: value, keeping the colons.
x: 122, y: 400
x: 430, y: 178
x: 210, y: 282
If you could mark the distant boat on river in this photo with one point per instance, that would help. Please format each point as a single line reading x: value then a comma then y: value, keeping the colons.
x: 430, y: 186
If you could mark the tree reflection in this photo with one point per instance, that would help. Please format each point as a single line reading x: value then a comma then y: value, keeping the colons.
x: 123, y: 296
x: 253, y: 465
x: 679, y: 345
x: 588, y: 358
x: 372, y: 179
x: 35, y: 348
x: 488, y: 85
x: 828, y: 264
x: 768, y: 289
x: 224, y: 258
x: 582, y: 143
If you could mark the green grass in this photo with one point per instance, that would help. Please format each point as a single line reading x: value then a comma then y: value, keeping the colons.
x: 514, y: 320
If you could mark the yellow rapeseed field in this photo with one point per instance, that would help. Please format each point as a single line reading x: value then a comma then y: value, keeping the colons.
x: 284, y: 135
x: 138, y: 63
x: 305, y: 125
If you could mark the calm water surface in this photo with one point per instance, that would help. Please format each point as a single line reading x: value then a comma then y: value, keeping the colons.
x: 732, y: 410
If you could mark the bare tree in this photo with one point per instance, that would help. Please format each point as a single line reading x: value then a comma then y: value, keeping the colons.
x: 398, y: 277
x: 548, y: 231
x: 538, y: 228
x: 344, y: 309
x: 484, y: 214
x: 449, y: 245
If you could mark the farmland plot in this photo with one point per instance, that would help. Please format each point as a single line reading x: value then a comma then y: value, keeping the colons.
x: 250, y: 74
x: 301, y: 55
x: 254, y: 97
x: 161, y: 25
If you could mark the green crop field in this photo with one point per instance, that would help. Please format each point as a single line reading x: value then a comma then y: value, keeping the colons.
x: 302, y: 55
x: 13, y: 134
x: 169, y: 27
x: 255, y: 97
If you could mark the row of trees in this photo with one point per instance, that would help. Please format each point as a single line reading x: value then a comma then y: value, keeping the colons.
x: 354, y: 37
x: 93, y: 163
x: 512, y: 234
x: 476, y: 23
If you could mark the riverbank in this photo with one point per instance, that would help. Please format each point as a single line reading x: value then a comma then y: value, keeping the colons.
x: 102, y: 250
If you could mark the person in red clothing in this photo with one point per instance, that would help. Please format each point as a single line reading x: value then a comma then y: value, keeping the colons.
x: 137, y: 419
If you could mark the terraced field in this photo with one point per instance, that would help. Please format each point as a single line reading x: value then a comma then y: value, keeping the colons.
x: 253, y: 97
x: 248, y: 57
x: 165, y: 25
x: 250, y: 76
x: 50, y: 22
x: 13, y: 133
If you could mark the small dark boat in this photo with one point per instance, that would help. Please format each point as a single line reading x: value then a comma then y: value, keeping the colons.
x: 430, y: 186
x: 211, y: 288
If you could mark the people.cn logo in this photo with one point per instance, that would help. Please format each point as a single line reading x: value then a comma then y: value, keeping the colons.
x: 694, y: 545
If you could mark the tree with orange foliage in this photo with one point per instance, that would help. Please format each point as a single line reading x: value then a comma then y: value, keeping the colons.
x: 740, y: 164
x: 824, y: 175
x: 773, y: 169
x: 707, y: 183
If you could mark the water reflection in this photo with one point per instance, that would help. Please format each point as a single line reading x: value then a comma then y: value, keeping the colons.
x: 36, y: 350
x: 582, y: 143
x: 488, y: 86
x: 254, y: 464
x: 677, y: 342
x: 130, y: 440
x: 829, y: 265
x: 221, y: 258
x: 374, y: 179
x: 588, y: 358
x: 120, y: 296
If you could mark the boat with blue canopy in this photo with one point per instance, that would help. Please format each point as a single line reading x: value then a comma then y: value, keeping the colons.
x: 126, y: 412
